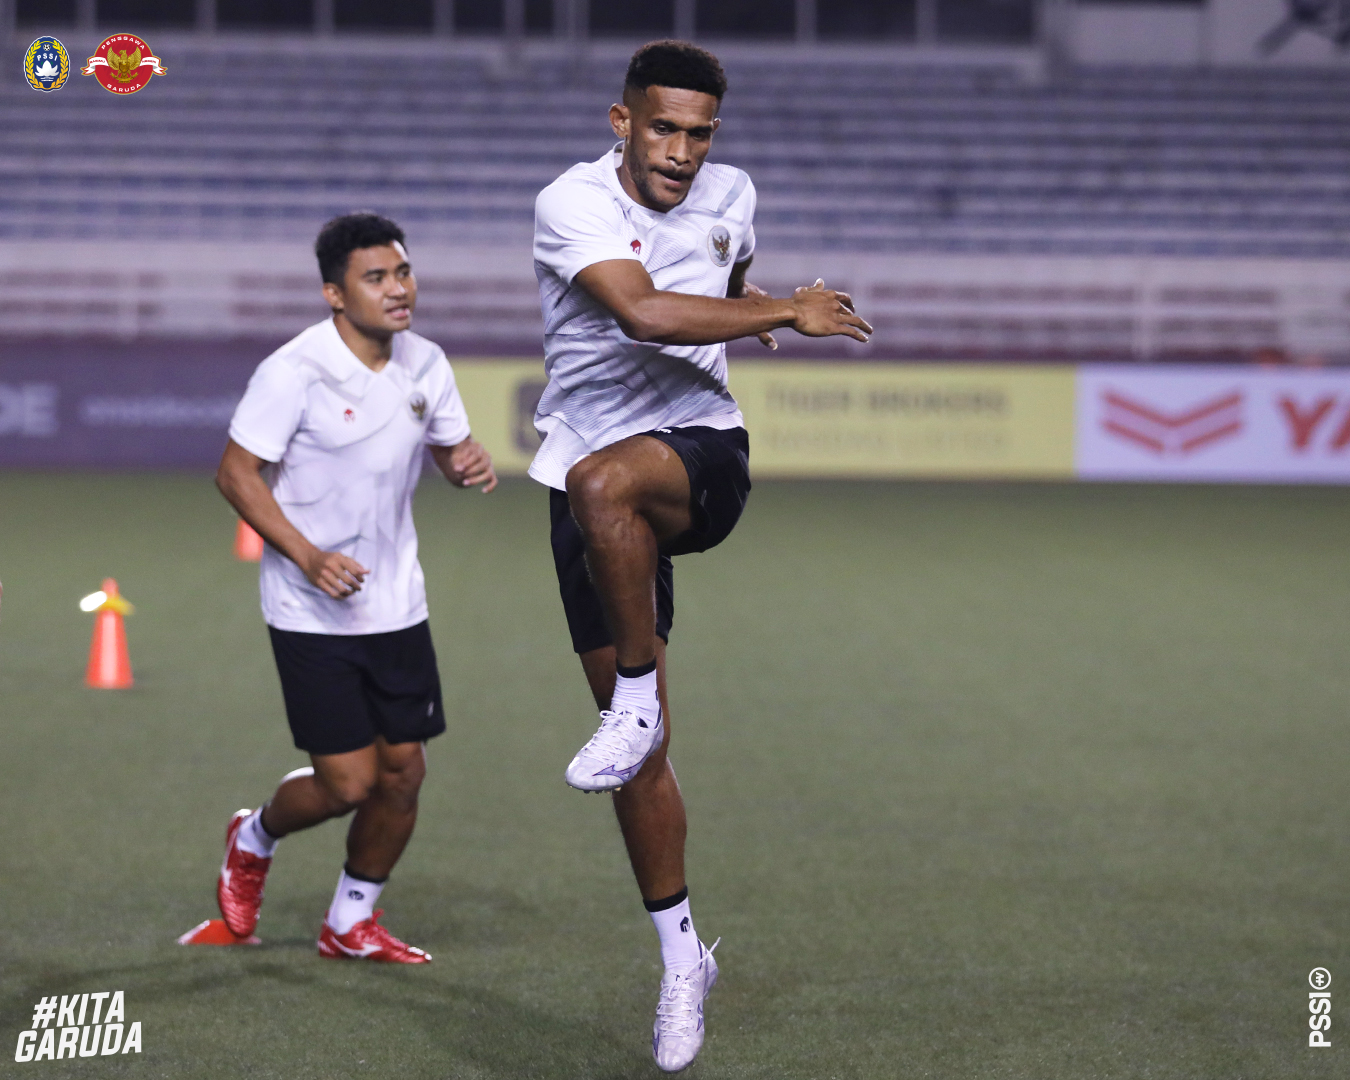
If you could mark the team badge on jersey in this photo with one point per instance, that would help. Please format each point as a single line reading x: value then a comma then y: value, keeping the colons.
x: 46, y: 64
x: 418, y: 404
x: 123, y: 64
x: 719, y: 245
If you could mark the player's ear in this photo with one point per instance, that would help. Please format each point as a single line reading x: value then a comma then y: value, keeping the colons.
x: 621, y: 120
x: 717, y: 122
x: 333, y: 295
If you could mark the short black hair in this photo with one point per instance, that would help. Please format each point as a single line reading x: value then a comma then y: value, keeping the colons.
x: 677, y: 64
x: 352, y: 232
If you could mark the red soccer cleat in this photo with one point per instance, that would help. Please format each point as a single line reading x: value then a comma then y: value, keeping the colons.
x: 368, y: 940
x: 239, y: 891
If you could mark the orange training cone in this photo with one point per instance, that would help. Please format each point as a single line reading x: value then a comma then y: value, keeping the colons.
x: 109, y: 665
x: 248, y: 545
x: 214, y: 932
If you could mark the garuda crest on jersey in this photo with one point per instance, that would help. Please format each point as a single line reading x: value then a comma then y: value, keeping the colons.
x: 719, y: 245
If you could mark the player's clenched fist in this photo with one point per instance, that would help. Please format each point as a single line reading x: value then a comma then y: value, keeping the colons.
x: 821, y: 312
x: 335, y: 573
x: 470, y: 465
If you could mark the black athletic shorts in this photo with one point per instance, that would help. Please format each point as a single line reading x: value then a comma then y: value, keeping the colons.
x: 718, y: 464
x: 343, y: 690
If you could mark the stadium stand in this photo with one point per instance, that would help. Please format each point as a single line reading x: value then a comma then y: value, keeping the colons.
x: 853, y: 155
x: 978, y: 209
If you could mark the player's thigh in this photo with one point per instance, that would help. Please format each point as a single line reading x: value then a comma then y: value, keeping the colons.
x: 638, y: 472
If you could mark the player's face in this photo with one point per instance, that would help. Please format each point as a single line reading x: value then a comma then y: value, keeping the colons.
x: 378, y: 292
x: 667, y: 134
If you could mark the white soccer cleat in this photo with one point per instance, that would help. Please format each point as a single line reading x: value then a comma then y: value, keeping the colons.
x: 677, y: 1036
x: 616, y: 752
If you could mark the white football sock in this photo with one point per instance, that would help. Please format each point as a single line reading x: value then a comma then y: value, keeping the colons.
x: 637, y: 695
x: 680, y: 949
x: 353, y: 901
x: 254, y: 839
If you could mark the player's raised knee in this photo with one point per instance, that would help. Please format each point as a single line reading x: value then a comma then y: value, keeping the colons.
x: 596, y: 482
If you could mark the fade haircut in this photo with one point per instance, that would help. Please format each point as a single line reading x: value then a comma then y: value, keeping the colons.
x: 678, y: 65
x: 351, y: 232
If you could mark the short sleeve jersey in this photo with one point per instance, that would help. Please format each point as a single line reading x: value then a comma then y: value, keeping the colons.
x: 602, y: 385
x: 347, y: 445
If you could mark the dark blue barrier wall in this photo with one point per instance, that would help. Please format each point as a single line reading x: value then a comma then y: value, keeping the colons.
x: 120, y: 405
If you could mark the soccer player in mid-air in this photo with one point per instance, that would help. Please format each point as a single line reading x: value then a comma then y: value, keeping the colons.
x: 324, y: 454
x: 641, y: 258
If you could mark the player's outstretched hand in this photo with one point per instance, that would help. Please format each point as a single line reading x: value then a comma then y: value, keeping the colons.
x: 470, y: 465
x: 822, y: 312
x: 335, y: 573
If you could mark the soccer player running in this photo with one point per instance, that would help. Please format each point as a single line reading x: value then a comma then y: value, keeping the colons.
x: 641, y: 258
x: 324, y: 454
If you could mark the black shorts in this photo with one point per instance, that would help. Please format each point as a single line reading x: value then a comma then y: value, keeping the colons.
x: 343, y: 690
x: 718, y: 464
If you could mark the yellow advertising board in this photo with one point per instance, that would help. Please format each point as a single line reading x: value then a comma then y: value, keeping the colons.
x: 841, y: 419
x: 500, y: 396
x: 880, y: 419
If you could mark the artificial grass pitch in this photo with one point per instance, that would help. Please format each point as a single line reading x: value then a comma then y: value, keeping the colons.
x: 984, y: 781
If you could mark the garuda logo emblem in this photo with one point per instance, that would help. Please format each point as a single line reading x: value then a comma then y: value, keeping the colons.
x: 418, y: 404
x: 719, y: 245
x: 123, y: 64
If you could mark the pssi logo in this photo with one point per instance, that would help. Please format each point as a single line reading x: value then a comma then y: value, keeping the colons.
x: 1172, y: 434
x: 1319, y: 1006
x: 1321, y: 424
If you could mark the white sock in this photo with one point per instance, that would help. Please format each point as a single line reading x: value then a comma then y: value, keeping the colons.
x: 353, y: 901
x: 638, y: 693
x: 254, y: 839
x: 680, y: 949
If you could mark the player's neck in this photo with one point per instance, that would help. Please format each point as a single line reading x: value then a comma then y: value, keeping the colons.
x: 373, y: 350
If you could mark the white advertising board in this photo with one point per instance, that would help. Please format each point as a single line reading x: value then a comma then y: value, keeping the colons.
x: 1239, y: 424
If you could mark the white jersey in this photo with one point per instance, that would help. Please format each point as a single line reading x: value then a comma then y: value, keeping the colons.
x: 347, y: 442
x: 602, y: 385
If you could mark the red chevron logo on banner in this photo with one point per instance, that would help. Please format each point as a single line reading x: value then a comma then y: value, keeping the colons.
x: 1172, y: 433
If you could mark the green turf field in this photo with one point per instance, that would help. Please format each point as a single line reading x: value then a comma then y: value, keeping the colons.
x: 984, y: 781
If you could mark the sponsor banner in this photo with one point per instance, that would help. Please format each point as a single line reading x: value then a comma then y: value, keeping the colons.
x: 169, y: 405
x: 893, y: 420
x: 1236, y: 424
x: 840, y: 419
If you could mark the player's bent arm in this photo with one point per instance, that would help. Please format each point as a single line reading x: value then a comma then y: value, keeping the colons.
x: 646, y: 313
x: 240, y: 481
x: 466, y: 464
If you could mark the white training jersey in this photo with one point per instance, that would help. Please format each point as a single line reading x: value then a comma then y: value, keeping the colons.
x: 347, y: 442
x: 602, y: 385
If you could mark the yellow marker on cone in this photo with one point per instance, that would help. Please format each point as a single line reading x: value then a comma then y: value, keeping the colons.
x: 109, y: 663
